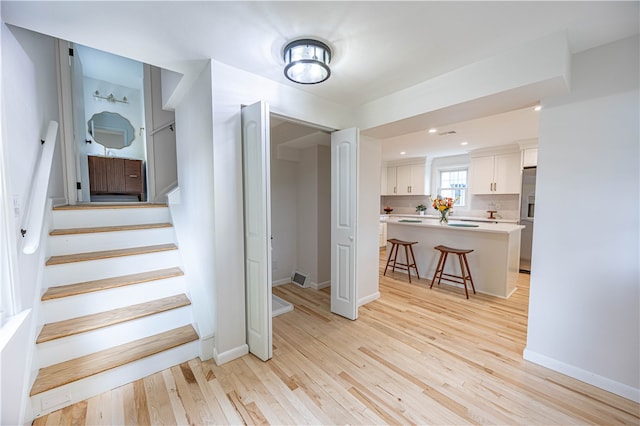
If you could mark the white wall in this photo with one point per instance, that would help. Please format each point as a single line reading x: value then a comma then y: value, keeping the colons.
x: 307, y: 229
x: 368, y: 240
x: 284, y: 182
x: 584, y: 304
x: 231, y: 89
x: 323, y: 238
x: 194, y: 216
x: 29, y: 102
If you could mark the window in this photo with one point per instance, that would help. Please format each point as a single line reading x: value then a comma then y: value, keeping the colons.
x: 453, y: 183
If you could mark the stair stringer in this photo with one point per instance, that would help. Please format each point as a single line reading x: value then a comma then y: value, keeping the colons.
x: 63, y: 396
x: 52, y: 352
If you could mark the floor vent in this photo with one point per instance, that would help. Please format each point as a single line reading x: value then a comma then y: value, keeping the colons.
x: 300, y: 279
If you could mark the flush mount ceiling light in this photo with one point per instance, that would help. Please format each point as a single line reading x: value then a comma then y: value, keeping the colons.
x: 307, y: 61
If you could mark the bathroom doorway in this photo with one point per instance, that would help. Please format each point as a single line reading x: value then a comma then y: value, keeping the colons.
x: 119, y: 130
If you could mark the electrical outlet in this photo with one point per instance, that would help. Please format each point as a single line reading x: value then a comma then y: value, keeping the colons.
x: 497, y: 206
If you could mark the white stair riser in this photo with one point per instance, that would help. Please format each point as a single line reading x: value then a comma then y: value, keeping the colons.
x: 81, y: 243
x: 66, y: 219
x: 71, y: 273
x: 100, y: 301
x: 99, y: 383
x: 60, y: 350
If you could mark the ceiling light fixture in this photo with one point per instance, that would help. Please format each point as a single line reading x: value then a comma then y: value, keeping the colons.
x: 537, y: 108
x: 307, y: 61
x: 433, y: 130
x: 402, y: 152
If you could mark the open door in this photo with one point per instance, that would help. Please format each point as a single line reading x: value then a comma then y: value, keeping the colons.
x: 344, y: 186
x: 257, y: 227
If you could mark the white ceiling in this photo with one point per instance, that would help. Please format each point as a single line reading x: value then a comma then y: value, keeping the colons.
x: 378, y: 47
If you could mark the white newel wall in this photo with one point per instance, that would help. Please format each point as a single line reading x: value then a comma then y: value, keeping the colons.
x: 194, y: 215
x: 584, y: 304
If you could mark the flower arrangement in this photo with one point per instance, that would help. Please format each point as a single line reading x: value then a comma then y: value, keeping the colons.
x: 444, y: 205
x: 387, y: 209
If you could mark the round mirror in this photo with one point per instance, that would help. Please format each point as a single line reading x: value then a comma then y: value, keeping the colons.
x: 111, y: 130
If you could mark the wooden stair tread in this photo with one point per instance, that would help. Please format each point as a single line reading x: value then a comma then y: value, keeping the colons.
x: 74, y: 231
x: 66, y: 372
x: 109, y: 283
x: 106, y: 254
x: 86, y: 323
x: 109, y: 206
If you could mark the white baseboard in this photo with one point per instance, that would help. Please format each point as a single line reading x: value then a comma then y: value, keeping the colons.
x: 605, y: 383
x: 206, y: 348
x: 369, y: 298
x: 230, y: 355
x: 282, y: 281
x: 319, y: 286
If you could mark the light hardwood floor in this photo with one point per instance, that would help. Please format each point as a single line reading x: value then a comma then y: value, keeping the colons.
x: 415, y: 356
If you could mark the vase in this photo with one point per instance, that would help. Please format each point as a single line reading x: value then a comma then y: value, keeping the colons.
x: 444, y: 217
x: 421, y: 213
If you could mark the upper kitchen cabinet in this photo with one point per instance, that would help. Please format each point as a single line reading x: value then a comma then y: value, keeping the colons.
x: 495, y: 174
x: 406, y: 179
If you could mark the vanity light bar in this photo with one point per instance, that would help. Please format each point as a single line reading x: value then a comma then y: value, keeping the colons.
x: 110, y: 98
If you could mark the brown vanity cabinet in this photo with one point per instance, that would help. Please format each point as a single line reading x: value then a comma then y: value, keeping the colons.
x: 116, y: 176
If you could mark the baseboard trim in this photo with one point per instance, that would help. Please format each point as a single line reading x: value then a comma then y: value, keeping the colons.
x: 319, y: 286
x: 601, y: 382
x: 206, y: 348
x: 230, y: 355
x: 369, y: 298
x: 282, y: 281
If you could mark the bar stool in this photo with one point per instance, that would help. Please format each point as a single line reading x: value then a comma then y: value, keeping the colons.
x: 464, y: 268
x: 408, y: 250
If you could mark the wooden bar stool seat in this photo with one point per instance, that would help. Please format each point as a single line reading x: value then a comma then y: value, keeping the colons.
x: 408, y: 255
x: 464, y: 268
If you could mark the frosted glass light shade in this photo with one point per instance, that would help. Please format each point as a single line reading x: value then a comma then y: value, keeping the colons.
x: 307, y: 61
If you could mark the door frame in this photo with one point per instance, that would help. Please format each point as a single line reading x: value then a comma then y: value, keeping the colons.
x: 68, y: 143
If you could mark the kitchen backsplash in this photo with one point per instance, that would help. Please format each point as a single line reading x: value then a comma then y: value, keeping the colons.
x: 506, y: 205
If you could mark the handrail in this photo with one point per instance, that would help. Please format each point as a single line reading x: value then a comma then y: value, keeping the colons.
x: 37, y: 202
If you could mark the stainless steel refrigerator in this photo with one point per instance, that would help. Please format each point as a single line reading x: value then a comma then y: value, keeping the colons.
x: 527, y: 212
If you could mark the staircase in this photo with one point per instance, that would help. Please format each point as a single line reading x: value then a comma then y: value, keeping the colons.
x: 116, y: 307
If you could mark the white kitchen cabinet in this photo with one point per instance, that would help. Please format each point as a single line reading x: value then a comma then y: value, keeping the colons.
x: 406, y: 180
x: 495, y: 174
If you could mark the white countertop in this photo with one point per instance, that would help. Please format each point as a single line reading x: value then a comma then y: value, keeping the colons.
x: 459, y: 218
x: 433, y: 222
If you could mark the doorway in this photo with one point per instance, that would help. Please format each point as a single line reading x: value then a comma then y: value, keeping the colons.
x: 115, y: 130
x: 107, y: 93
x: 300, y: 203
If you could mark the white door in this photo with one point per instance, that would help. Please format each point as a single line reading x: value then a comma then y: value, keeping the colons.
x: 257, y: 227
x: 344, y: 186
x: 81, y: 148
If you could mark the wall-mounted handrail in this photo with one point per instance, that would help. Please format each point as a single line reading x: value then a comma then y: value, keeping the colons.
x: 32, y: 229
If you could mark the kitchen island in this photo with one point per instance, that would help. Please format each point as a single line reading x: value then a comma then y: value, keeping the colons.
x: 494, y: 262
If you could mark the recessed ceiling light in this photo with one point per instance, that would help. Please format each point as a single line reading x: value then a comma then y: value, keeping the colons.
x: 537, y: 108
x: 464, y: 143
x: 433, y: 130
x: 402, y: 153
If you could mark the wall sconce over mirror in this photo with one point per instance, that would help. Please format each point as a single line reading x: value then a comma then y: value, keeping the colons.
x: 111, y: 130
x: 111, y: 99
